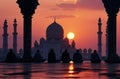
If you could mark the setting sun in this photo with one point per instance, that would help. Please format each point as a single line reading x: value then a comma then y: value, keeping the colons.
x: 70, y: 35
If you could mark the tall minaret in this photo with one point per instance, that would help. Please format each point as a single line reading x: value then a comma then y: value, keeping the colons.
x: 15, y: 36
x: 99, y: 37
x: 5, y: 39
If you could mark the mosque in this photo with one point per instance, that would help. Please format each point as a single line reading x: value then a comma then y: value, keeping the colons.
x: 54, y: 40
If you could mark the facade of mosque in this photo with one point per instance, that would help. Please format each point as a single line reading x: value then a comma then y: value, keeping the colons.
x: 54, y: 40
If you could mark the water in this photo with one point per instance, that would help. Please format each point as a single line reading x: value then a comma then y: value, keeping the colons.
x: 85, y: 70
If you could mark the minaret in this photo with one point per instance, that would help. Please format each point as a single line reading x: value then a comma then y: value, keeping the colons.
x: 5, y: 39
x: 15, y: 36
x: 99, y: 38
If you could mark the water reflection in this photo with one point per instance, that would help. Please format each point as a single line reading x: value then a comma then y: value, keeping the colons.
x: 112, y: 71
x: 6, y: 71
x: 71, y: 70
x: 27, y: 71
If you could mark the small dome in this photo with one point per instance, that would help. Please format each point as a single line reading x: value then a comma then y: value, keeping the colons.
x: 42, y: 41
x: 54, y: 31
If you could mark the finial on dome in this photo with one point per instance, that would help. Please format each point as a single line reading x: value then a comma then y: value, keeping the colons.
x: 99, y: 20
x: 15, y: 20
x: 55, y: 19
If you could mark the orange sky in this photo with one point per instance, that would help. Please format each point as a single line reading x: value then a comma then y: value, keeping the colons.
x: 78, y: 16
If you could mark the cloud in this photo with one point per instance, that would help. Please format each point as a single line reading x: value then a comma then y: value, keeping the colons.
x: 83, y: 4
x: 61, y: 16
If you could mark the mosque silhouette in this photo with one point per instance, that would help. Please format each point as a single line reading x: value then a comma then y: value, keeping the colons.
x: 56, y: 48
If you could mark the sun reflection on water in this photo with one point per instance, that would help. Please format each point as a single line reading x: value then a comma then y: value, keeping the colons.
x: 71, y: 68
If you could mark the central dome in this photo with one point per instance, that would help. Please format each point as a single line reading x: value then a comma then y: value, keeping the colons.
x: 54, y: 31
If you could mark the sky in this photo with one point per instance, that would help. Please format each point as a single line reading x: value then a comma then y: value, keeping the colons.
x: 77, y: 16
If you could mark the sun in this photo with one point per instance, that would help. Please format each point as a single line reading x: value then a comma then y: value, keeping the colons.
x: 70, y: 35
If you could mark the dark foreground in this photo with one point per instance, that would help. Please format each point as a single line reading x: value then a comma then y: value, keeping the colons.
x: 86, y: 70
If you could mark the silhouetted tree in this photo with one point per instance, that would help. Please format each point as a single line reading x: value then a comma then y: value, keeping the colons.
x: 37, y: 57
x: 95, y: 57
x: 51, y: 56
x: 77, y: 57
x: 11, y: 57
x: 65, y: 57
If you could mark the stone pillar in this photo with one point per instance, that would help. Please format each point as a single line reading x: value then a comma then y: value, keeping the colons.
x: 112, y: 8
x: 27, y: 9
x: 15, y: 37
x: 99, y: 38
x: 106, y: 40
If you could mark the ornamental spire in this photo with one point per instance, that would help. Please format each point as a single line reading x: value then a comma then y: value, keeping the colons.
x: 55, y: 19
